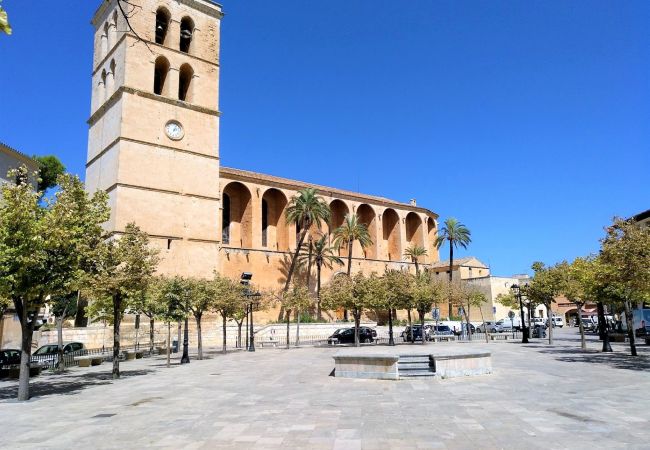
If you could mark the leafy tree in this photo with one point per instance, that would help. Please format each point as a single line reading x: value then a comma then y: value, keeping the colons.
x: 427, y: 290
x: 4, y: 21
x: 398, y: 295
x: 295, y: 299
x: 414, y: 252
x: 62, y: 307
x: 455, y: 234
x: 323, y: 256
x: 626, y: 258
x: 44, y: 248
x: 305, y: 209
x: 350, y: 231
x: 49, y: 170
x: 151, y: 304
x: 340, y: 293
x: 124, y: 269
x: 543, y: 288
x: 201, y: 299
x: 228, y: 298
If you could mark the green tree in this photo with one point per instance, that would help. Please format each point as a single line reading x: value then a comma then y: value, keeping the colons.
x: 202, y: 299
x: 49, y: 170
x: 414, y: 253
x: 62, y: 308
x: 350, y: 231
x: 151, y: 305
x: 4, y: 21
x: 172, y: 296
x: 625, y: 256
x: 456, y: 235
x: 398, y: 295
x: 228, y: 297
x: 305, y: 209
x: 427, y: 290
x: 543, y: 288
x: 344, y: 292
x: 323, y: 256
x: 124, y: 269
x: 44, y: 248
x: 297, y: 299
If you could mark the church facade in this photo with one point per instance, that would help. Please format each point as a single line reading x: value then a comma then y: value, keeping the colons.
x: 154, y: 147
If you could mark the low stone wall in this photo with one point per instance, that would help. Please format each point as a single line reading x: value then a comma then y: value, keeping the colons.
x: 462, y: 365
x: 376, y: 366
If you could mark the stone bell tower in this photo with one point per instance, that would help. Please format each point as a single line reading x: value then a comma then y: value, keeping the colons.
x: 153, y: 144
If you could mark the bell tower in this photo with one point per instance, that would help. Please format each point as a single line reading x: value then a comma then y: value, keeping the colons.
x: 153, y: 143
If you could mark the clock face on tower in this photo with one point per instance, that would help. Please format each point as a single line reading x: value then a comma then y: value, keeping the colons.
x: 174, y: 130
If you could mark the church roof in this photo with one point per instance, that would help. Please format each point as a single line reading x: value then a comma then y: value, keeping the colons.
x: 4, y: 148
x: 256, y: 177
x: 467, y: 261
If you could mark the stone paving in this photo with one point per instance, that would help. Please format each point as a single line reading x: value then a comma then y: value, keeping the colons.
x: 537, y: 397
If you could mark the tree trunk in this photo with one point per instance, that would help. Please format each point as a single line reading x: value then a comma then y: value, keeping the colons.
x: 59, y: 339
x: 421, y: 313
x: 345, y: 311
x: 309, y: 265
x: 410, y: 334
x: 223, y: 332
x: 630, y: 327
x: 417, y: 267
x: 549, y: 313
x: 199, y: 337
x: 451, y: 275
x: 603, y: 328
x: 80, y: 319
x: 357, y: 319
x: 179, y: 334
x: 297, y: 327
x: 169, y: 341
x: 487, y: 340
x: 288, y: 314
x: 27, y: 330
x: 583, y: 343
x: 319, y: 312
x: 117, y: 318
x: 391, y: 340
x: 151, y: 329
x: 239, y: 325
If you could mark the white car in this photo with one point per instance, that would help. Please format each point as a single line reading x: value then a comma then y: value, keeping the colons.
x: 492, y: 327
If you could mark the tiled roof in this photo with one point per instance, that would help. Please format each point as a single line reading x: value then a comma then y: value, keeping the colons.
x: 332, y: 192
x: 459, y: 262
x: 18, y: 155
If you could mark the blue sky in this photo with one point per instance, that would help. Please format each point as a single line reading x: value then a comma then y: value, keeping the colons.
x: 528, y: 121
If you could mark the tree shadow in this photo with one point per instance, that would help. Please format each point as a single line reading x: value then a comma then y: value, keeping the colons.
x: 613, y: 360
x: 67, y: 384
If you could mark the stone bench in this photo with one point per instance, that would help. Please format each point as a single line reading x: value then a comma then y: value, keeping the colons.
x: 500, y: 336
x: 462, y: 364
x: 268, y: 343
x: 89, y: 360
x: 375, y: 366
x: 442, y: 337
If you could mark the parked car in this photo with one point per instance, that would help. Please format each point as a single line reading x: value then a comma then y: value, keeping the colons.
x: 346, y: 336
x: 557, y: 322
x: 417, y: 333
x: 492, y: 327
x: 464, y: 327
x: 442, y: 330
x: 48, y: 355
x: 9, y: 357
x: 535, y: 321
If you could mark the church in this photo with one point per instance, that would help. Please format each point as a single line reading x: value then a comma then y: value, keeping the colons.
x: 153, y: 146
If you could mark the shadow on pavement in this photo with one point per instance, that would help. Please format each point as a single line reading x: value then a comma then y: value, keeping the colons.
x: 66, y: 384
x: 615, y: 360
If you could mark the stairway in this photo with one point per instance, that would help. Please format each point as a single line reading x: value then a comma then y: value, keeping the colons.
x: 412, y: 366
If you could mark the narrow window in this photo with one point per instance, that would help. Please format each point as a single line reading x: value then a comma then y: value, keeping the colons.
x: 104, y: 39
x: 162, y: 25
x: 265, y: 223
x: 102, y: 87
x: 160, y: 75
x: 169, y: 244
x: 187, y: 30
x: 225, y: 219
x: 185, y: 83
x: 110, y: 80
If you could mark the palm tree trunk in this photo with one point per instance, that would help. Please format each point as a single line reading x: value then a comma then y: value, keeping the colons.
x: 451, y: 273
x: 309, y: 265
x: 345, y: 311
x: 417, y: 266
x: 318, y: 307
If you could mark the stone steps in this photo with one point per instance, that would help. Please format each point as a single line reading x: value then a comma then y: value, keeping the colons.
x: 411, y: 366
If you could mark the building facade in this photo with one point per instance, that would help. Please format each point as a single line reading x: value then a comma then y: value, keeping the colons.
x: 11, y: 158
x: 154, y: 148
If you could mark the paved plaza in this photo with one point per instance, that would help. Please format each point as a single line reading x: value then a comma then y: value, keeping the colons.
x: 537, y: 397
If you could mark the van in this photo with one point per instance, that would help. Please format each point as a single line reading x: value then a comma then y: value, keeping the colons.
x: 558, y: 321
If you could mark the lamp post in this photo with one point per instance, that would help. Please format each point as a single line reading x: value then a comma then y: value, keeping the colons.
x: 511, y: 314
x: 516, y: 290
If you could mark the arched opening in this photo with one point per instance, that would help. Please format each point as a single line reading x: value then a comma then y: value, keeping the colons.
x: 240, y: 214
x: 275, y: 232
x: 162, y: 25
x: 339, y: 210
x: 432, y: 234
x: 160, y: 76
x: 185, y: 76
x: 225, y: 219
x: 391, y: 235
x: 102, y: 88
x: 104, y: 39
x: 187, y: 33
x: 368, y: 217
x: 414, y: 235
x: 110, y: 79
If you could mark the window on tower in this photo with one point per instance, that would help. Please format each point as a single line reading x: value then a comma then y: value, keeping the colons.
x: 162, y: 25
x: 187, y: 32
x: 225, y: 219
x: 186, y: 74
x: 160, y: 75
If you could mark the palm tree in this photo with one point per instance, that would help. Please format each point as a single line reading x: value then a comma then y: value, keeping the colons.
x: 306, y: 209
x: 323, y: 256
x: 414, y: 252
x: 456, y: 234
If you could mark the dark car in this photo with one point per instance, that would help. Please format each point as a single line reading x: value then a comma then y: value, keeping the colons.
x: 417, y: 333
x: 9, y: 357
x: 442, y: 330
x: 346, y: 336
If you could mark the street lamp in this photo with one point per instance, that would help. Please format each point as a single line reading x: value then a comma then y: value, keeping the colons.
x: 511, y: 314
x: 516, y: 290
x: 246, y: 281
